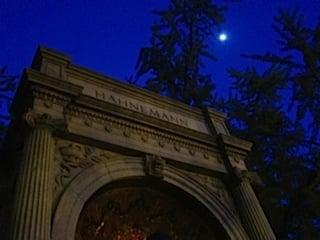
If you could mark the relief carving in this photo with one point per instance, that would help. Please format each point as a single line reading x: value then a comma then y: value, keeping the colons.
x: 243, y: 175
x: 88, y: 122
x: 71, y: 158
x: 146, y: 135
x: 108, y: 128
x: 154, y: 165
x: 47, y: 104
x: 213, y: 185
x: 161, y: 143
x: 144, y: 138
x: 177, y: 147
x: 126, y: 133
x: 35, y: 119
x: 49, y: 97
x: 192, y: 152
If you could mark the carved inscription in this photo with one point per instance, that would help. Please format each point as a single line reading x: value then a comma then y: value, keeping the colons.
x: 142, y: 104
x: 142, y: 108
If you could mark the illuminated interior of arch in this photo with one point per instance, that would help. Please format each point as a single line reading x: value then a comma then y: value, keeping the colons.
x: 141, y: 213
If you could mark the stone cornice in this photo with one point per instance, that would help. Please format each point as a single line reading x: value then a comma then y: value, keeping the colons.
x: 137, y: 137
x: 36, y: 77
x: 236, y: 143
x: 131, y: 90
x: 46, y: 53
x: 63, y: 73
x: 49, y: 97
x: 53, y: 90
x: 103, y: 89
x: 110, y: 121
x: 112, y: 110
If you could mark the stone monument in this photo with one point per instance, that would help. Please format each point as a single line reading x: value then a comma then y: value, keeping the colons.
x: 94, y: 158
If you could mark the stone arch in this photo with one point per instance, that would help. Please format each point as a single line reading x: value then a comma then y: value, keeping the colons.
x: 92, y: 179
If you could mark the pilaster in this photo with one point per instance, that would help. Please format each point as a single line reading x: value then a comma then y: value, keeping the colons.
x: 33, y: 205
x: 251, y: 213
x: 255, y: 222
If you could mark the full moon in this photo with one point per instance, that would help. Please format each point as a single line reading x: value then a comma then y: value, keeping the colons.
x: 222, y: 37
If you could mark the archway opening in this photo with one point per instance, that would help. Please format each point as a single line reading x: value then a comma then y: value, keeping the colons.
x: 145, y: 209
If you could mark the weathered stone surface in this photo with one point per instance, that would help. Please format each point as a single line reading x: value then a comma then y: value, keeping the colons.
x: 33, y: 207
x: 251, y: 213
x: 89, y: 131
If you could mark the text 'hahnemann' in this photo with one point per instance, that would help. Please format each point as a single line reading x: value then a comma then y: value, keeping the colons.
x: 142, y: 108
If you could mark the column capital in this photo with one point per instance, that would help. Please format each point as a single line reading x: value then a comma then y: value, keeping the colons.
x: 245, y: 175
x: 35, y: 120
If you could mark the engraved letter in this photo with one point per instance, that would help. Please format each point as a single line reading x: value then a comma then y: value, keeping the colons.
x: 154, y: 113
x: 100, y: 95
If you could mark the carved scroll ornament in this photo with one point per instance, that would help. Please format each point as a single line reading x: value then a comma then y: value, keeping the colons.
x: 73, y: 157
x: 35, y: 119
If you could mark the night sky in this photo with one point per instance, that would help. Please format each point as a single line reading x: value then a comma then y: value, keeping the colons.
x: 106, y: 35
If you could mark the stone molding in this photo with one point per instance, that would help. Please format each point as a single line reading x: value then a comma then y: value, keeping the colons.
x: 49, y: 97
x: 236, y: 143
x: 35, y: 119
x: 90, y: 180
x: 37, y: 78
x: 214, y: 187
x: 71, y: 158
x: 244, y: 175
x: 145, y: 133
x: 57, y: 93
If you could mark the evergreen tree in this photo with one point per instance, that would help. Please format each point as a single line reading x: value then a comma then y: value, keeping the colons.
x: 174, y: 61
x: 7, y: 87
x: 279, y: 111
x: 300, y: 47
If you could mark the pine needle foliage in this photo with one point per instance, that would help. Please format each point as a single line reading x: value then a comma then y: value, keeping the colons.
x: 179, y: 44
x: 7, y: 87
x: 279, y: 111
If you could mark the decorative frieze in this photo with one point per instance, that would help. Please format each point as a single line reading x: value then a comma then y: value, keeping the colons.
x: 116, y: 126
x: 71, y: 158
x: 49, y: 97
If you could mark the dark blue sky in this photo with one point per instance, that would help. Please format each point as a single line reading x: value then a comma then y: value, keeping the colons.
x: 106, y: 35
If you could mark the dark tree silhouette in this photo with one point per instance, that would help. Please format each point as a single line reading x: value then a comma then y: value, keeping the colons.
x: 173, y: 63
x: 7, y: 87
x: 279, y: 110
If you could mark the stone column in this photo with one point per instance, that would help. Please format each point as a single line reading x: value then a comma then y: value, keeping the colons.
x: 33, y: 203
x: 251, y: 213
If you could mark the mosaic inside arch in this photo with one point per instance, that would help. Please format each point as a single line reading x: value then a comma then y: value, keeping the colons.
x: 140, y: 213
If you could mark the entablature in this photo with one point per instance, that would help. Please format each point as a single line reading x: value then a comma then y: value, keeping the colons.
x: 100, y: 108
